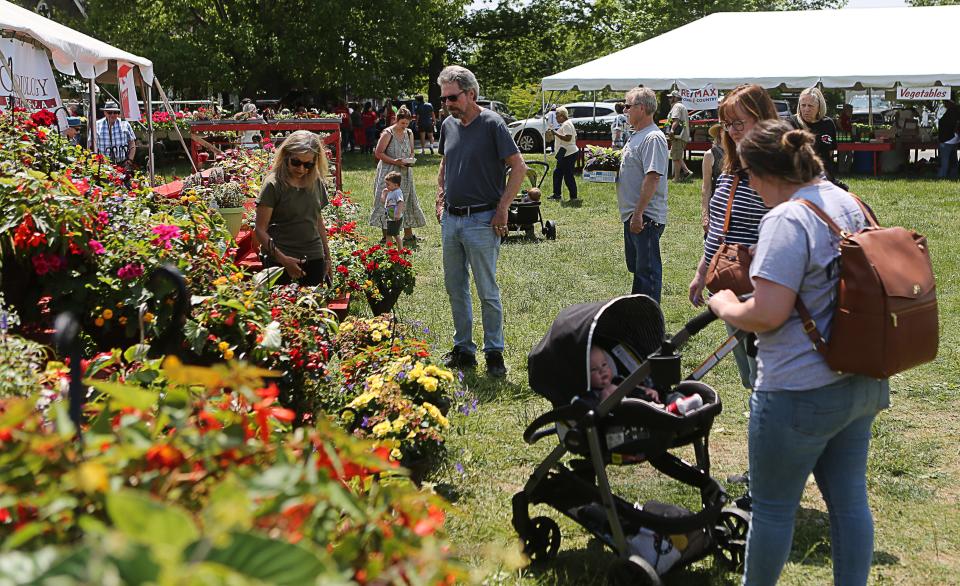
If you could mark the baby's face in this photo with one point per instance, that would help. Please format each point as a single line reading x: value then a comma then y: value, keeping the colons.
x: 601, y: 375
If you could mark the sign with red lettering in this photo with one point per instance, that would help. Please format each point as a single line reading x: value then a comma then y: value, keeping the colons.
x: 923, y: 93
x: 705, y: 98
x: 32, y: 79
x: 128, y: 91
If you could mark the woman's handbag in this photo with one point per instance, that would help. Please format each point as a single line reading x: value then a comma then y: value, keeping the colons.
x: 730, y: 266
x: 548, y: 135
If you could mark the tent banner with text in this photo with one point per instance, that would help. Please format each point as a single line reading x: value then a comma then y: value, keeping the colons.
x: 32, y: 79
x: 705, y: 98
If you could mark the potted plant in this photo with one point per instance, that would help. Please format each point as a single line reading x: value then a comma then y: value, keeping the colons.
x: 229, y: 198
x: 389, y: 272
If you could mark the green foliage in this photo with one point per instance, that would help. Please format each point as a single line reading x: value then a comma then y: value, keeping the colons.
x: 371, y: 47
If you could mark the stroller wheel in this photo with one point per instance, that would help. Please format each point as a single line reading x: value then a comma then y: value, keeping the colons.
x: 543, y: 542
x: 550, y: 230
x: 731, y: 535
x: 633, y: 572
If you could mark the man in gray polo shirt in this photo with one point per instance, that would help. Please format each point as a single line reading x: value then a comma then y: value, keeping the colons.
x: 642, y: 193
x: 472, y: 206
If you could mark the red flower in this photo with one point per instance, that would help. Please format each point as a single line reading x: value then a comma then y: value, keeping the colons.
x: 164, y: 456
x: 206, y: 421
x: 342, y: 270
x: 43, y: 118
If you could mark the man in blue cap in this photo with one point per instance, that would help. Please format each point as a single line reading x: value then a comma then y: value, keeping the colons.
x: 73, y: 130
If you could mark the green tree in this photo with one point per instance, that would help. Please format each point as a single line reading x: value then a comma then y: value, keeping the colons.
x: 364, y: 47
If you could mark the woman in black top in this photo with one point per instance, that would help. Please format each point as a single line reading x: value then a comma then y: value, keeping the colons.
x: 712, y: 168
x: 812, y: 116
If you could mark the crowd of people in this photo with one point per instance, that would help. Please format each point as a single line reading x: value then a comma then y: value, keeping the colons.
x: 361, y: 125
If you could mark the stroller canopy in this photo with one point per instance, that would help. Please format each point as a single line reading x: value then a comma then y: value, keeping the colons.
x: 559, y: 366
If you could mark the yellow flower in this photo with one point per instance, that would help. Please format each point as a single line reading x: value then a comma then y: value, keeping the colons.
x: 92, y: 477
x: 123, y: 320
x: 220, y: 281
x: 346, y: 327
x: 436, y: 415
x: 416, y: 372
x: 236, y: 277
x: 398, y: 424
x: 376, y: 336
x: 395, y: 454
x: 429, y: 383
x: 147, y: 317
x: 107, y: 314
x: 247, y: 304
x: 438, y: 372
x: 368, y: 283
x: 223, y: 346
x: 248, y: 293
x: 98, y: 322
x: 228, y: 354
x: 362, y: 399
x: 374, y: 383
x: 381, y: 429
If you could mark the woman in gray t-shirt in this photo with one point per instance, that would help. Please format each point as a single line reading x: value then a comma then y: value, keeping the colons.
x: 804, y: 417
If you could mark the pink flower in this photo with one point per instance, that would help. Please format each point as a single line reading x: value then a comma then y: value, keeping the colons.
x: 96, y: 247
x: 165, y: 233
x: 130, y: 271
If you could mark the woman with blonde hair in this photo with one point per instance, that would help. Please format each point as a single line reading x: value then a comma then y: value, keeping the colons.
x: 812, y: 116
x: 739, y: 112
x: 565, y: 149
x: 394, y: 152
x: 289, y: 224
x: 804, y: 416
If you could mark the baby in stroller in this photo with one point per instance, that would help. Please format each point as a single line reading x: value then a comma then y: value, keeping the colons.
x: 606, y: 367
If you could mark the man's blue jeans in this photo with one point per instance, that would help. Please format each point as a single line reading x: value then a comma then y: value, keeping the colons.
x: 825, y: 431
x: 948, y: 161
x: 471, y: 245
x: 643, y: 258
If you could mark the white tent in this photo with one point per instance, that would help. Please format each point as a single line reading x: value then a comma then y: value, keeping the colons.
x: 72, y: 52
x: 870, y: 48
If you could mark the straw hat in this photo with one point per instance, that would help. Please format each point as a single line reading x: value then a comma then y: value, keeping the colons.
x: 675, y: 94
x: 110, y: 107
x: 715, y: 131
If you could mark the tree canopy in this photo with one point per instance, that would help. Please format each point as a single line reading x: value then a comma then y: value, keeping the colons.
x: 385, y: 47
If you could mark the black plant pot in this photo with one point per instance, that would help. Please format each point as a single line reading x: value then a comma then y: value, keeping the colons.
x: 386, y: 304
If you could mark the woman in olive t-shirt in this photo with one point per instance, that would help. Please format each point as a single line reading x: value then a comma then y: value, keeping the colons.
x: 290, y: 224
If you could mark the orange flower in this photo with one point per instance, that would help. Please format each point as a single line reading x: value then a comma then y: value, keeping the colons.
x: 163, y: 456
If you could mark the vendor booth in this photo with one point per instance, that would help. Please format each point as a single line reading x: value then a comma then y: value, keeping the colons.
x: 772, y: 41
x: 32, y: 41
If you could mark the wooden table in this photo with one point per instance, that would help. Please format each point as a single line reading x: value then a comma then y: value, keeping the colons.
x: 331, y: 126
x: 873, y: 147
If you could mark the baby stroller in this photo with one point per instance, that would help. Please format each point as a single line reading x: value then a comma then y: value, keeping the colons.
x: 523, y: 215
x: 619, y: 430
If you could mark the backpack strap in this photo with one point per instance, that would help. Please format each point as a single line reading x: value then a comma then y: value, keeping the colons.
x: 733, y: 192
x: 806, y: 320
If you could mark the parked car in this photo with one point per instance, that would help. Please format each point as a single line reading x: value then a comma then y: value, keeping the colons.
x: 529, y: 133
x: 783, y: 109
x: 499, y: 108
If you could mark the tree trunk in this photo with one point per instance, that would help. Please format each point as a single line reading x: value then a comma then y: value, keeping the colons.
x: 436, y: 65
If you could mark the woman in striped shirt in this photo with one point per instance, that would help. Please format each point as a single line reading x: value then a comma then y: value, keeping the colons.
x: 740, y: 111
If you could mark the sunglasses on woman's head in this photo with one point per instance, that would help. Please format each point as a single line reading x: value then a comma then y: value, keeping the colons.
x: 298, y: 163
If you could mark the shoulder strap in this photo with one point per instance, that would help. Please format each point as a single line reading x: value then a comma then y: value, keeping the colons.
x: 823, y: 216
x: 810, y: 327
x: 733, y: 192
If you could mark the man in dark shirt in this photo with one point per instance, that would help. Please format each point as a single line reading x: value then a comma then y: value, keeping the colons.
x: 472, y: 206
x: 947, y: 128
x: 426, y: 120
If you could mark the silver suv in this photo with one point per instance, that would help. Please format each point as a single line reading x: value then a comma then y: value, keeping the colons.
x: 499, y: 108
x: 528, y: 134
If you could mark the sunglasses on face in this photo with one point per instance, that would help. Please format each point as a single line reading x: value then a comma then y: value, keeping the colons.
x: 298, y: 163
x: 452, y: 97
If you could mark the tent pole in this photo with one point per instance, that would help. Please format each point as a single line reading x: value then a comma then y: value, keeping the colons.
x: 92, y: 115
x: 151, y: 166
x: 166, y: 104
x: 543, y: 112
x: 870, y: 106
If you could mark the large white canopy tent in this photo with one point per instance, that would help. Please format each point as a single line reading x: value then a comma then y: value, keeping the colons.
x: 854, y: 48
x: 74, y: 53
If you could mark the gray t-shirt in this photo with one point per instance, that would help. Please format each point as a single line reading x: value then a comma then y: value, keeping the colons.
x: 798, y: 251
x: 645, y: 152
x: 473, y: 159
x: 394, y: 197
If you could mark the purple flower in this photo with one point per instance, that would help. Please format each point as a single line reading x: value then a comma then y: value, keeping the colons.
x: 364, y: 422
x: 459, y: 468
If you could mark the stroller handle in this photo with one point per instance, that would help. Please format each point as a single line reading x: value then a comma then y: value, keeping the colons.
x: 700, y: 321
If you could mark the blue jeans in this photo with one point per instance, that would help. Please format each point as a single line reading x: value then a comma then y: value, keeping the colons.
x: 825, y: 431
x: 948, y: 161
x: 470, y: 245
x: 643, y: 258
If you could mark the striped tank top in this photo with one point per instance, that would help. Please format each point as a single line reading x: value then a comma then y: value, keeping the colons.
x: 745, y: 216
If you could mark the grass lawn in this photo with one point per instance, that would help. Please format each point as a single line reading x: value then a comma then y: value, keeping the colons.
x: 914, y: 469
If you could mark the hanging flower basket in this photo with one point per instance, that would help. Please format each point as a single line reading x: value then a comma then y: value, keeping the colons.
x: 386, y: 304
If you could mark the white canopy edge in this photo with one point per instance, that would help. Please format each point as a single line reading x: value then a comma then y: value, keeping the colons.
x: 72, y: 52
x: 870, y: 47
